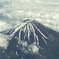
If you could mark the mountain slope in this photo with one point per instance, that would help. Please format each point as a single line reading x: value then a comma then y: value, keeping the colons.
x: 31, y: 37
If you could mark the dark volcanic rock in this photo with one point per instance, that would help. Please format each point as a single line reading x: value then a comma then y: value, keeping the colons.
x: 33, y: 40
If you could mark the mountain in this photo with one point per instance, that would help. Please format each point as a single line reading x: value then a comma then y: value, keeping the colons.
x: 31, y: 40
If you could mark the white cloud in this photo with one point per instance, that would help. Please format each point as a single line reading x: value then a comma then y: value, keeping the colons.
x: 51, y: 3
x: 24, y: 44
x: 50, y: 20
x: 3, y: 41
x: 33, y: 48
x: 16, y: 10
x: 4, y: 26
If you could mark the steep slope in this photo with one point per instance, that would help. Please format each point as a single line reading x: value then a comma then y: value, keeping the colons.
x: 31, y: 37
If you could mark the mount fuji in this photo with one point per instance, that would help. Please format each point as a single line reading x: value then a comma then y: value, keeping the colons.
x: 31, y: 40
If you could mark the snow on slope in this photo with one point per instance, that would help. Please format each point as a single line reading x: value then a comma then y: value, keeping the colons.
x: 30, y: 36
x: 27, y: 37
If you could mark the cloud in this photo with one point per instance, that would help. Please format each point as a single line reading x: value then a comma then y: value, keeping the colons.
x: 4, y: 26
x: 28, y: 48
x: 50, y: 20
x: 51, y: 3
x: 33, y: 49
x: 14, y: 11
x: 3, y: 41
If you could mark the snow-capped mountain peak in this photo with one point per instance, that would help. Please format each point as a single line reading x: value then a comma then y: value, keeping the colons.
x: 28, y: 35
x: 28, y: 29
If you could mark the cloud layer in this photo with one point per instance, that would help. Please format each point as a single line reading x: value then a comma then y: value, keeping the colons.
x: 12, y: 12
x: 16, y: 10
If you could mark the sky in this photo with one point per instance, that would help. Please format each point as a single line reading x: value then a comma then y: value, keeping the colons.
x: 12, y: 12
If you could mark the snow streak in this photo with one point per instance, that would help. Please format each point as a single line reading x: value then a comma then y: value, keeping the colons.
x: 28, y: 28
x: 27, y: 36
